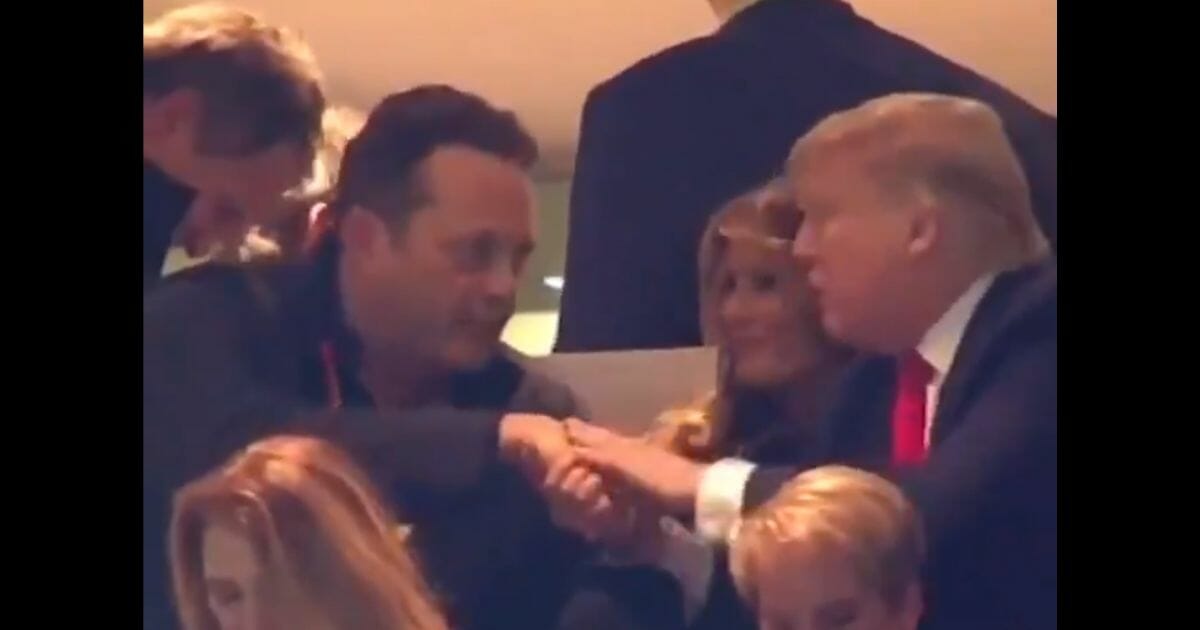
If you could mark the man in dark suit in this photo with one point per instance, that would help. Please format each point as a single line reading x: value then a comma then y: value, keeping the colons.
x: 666, y: 142
x: 923, y: 249
x: 231, y: 110
x: 387, y: 343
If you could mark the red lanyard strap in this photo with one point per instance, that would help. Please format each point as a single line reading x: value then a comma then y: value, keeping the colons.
x: 333, y: 384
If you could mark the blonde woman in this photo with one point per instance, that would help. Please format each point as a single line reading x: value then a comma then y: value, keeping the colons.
x: 777, y: 373
x: 836, y: 548
x: 291, y: 534
x: 777, y: 368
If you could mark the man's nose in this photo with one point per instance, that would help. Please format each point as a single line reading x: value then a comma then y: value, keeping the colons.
x: 803, y: 244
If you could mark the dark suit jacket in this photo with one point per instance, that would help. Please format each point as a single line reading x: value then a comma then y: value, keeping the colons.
x: 989, y: 491
x: 665, y: 143
x: 230, y: 356
x: 164, y: 204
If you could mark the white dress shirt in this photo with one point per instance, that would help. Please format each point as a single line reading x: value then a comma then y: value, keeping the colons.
x: 720, y: 496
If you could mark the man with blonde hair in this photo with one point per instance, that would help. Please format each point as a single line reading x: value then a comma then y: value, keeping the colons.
x: 231, y: 109
x: 920, y: 242
x: 836, y: 547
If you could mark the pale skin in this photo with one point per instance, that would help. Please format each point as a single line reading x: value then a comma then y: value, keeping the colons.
x: 251, y: 184
x: 802, y: 585
x: 433, y: 295
x: 233, y: 578
x: 761, y: 314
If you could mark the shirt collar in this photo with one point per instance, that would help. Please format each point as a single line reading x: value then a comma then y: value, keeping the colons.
x: 941, y: 341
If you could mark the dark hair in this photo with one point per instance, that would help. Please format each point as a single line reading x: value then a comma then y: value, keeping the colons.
x: 380, y: 166
x: 259, y: 82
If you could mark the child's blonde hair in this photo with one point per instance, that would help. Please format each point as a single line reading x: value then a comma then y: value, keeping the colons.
x: 854, y: 512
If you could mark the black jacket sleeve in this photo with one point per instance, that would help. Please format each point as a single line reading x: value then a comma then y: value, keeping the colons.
x: 203, y: 399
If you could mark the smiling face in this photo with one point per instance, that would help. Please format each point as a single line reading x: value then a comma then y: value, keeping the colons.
x: 444, y: 284
x: 763, y: 314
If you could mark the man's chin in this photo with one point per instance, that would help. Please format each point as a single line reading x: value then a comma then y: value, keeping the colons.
x: 471, y: 356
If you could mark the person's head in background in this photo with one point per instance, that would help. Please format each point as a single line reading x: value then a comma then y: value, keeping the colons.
x: 305, y: 205
x: 908, y: 199
x: 835, y: 549
x: 726, y: 9
x: 757, y: 308
x: 231, y: 105
x: 435, y: 217
x: 291, y: 534
x: 215, y: 229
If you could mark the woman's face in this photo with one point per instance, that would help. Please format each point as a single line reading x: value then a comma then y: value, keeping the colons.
x: 804, y: 587
x: 233, y: 578
x: 761, y: 314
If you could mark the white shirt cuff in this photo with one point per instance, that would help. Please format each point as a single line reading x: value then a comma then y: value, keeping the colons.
x: 719, y: 499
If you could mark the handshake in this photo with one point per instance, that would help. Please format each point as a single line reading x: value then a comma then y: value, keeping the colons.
x: 608, y: 488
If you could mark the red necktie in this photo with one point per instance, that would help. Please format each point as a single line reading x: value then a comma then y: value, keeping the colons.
x: 908, y: 414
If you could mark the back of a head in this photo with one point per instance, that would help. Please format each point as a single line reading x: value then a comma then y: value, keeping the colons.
x: 259, y: 83
x: 331, y: 552
x: 944, y: 150
x: 854, y: 513
x: 380, y: 167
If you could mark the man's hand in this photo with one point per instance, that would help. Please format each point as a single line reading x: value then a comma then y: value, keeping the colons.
x: 574, y: 494
x: 577, y: 498
x: 579, y: 502
x: 668, y: 480
x: 533, y: 442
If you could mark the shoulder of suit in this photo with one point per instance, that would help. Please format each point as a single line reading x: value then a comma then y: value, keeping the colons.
x: 1029, y: 296
x: 196, y: 284
x: 215, y: 287
x: 683, y: 60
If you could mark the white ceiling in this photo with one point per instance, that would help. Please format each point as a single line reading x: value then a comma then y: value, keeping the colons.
x: 540, y: 57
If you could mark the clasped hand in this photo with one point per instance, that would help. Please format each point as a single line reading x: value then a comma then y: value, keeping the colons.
x: 610, y: 489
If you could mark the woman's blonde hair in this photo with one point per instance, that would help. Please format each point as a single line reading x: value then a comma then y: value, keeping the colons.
x: 851, y: 511
x: 766, y: 216
x: 333, y: 555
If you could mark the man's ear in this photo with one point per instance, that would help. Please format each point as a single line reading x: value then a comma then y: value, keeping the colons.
x: 924, y: 229
x: 176, y: 112
x: 362, y: 231
x: 913, y: 606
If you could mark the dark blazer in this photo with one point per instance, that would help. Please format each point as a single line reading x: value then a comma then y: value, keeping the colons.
x: 666, y: 142
x: 989, y: 491
x: 230, y: 356
x: 164, y: 204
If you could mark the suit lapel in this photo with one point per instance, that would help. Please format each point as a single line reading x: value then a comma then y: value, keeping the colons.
x: 1009, y: 299
x: 857, y: 429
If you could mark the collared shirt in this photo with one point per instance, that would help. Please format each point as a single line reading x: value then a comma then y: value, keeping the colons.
x: 164, y: 204
x: 719, y: 499
x: 940, y: 344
